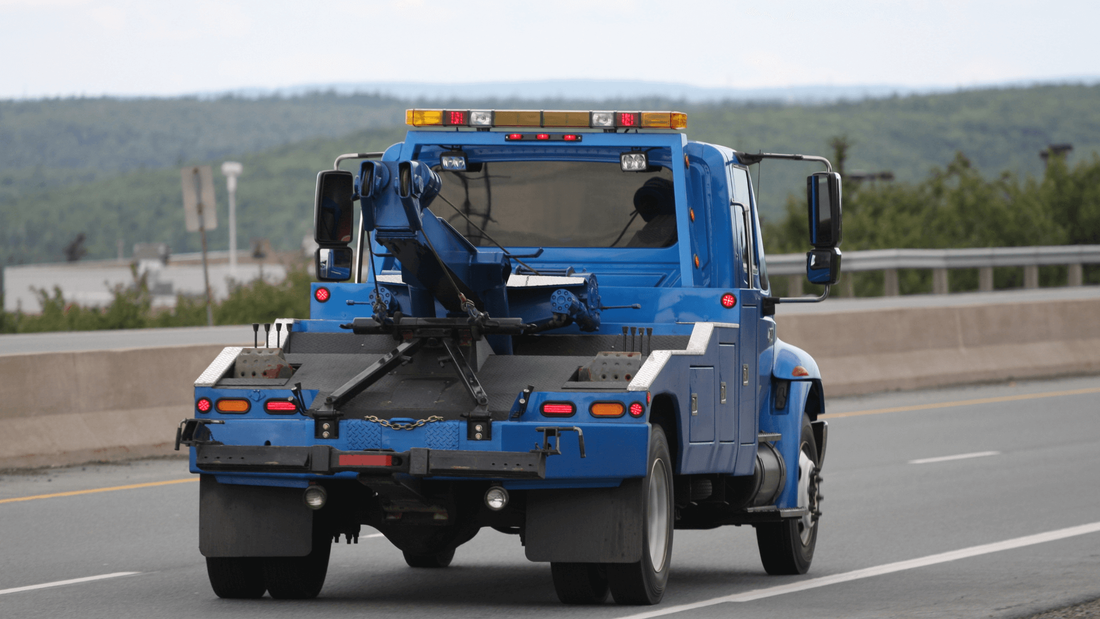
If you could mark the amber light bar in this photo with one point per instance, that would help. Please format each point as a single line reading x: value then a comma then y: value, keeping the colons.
x: 608, y: 120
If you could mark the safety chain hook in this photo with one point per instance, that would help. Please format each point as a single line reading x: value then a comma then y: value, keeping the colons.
x: 385, y: 423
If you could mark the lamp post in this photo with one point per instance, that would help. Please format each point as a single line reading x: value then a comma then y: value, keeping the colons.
x: 231, y: 170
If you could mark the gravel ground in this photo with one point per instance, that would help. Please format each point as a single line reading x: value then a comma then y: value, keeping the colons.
x: 1087, y: 610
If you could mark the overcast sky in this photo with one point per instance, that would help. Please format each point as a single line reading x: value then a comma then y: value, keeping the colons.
x: 162, y: 48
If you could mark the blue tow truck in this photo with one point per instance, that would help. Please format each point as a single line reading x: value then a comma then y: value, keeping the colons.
x: 555, y: 324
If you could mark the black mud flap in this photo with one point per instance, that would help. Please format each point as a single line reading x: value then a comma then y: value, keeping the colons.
x: 586, y: 525
x: 252, y: 521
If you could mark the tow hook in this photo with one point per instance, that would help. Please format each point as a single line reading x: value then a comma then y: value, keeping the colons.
x: 555, y: 433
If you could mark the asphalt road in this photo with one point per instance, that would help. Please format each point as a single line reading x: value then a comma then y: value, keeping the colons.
x: 963, y: 502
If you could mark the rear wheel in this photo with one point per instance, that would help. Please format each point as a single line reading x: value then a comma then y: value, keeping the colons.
x: 298, y: 578
x: 580, y: 583
x: 240, y: 578
x: 643, y: 583
x: 430, y: 560
x: 787, y: 547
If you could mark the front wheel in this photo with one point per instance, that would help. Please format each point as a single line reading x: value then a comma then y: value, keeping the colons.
x: 643, y: 583
x: 787, y: 547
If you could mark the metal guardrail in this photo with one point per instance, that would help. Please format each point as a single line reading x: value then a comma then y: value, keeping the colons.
x: 941, y: 260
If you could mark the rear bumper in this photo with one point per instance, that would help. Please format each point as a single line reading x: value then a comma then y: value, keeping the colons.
x: 327, y: 460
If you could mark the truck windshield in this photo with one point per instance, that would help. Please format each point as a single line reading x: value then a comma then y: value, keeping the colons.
x: 560, y: 204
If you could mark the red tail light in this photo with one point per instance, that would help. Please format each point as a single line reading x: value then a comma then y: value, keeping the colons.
x: 636, y: 409
x: 280, y: 406
x: 322, y: 295
x: 728, y: 300
x: 204, y: 405
x: 558, y: 409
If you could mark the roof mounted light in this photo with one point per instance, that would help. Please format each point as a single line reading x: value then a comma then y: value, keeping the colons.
x: 633, y: 162
x: 453, y: 161
x: 606, y: 120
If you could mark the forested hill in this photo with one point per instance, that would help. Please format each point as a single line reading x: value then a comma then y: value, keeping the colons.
x: 108, y: 168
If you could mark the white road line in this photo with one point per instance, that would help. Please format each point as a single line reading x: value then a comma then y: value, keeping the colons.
x: 980, y: 454
x: 66, y: 582
x: 889, y: 568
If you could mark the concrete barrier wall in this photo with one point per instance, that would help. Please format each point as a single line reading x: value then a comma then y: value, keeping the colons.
x: 881, y: 350
x: 65, y: 408
x: 70, y: 407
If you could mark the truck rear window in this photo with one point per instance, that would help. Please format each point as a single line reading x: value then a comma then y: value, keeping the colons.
x: 560, y: 204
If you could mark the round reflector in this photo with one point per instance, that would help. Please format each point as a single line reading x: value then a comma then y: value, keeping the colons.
x: 322, y: 295
x: 636, y: 409
x: 728, y: 300
x: 204, y: 405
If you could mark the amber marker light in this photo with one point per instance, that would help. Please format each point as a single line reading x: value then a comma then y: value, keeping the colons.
x: 607, y: 409
x: 233, y: 405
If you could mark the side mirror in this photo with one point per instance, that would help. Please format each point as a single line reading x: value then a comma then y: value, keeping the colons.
x: 823, y: 198
x: 823, y: 266
x: 332, y: 208
x: 334, y: 264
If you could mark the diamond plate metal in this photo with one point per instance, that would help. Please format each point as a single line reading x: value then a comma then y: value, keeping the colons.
x: 362, y: 434
x: 443, y: 435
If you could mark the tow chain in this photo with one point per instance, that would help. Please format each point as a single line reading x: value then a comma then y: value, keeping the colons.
x: 385, y: 423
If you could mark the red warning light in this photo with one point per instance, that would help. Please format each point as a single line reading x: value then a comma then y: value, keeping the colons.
x: 456, y: 118
x: 543, y: 136
x: 636, y: 409
x: 322, y: 295
x: 569, y: 137
x: 204, y: 405
x: 514, y: 136
x: 628, y: 119
x: 728, y: 300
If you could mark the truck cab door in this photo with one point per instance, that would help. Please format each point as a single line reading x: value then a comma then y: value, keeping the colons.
x: 751, y: 281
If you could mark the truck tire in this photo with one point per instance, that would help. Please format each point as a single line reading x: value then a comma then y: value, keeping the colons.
x: 298, y: 578
x: 236, y: 578
x: 580, y: 583
x: 643, y: 583
x: 787, y: 547
x: 436, y: 560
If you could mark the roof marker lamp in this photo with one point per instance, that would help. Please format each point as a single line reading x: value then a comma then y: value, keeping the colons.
x: 453, y: 161
x: 633, y: 162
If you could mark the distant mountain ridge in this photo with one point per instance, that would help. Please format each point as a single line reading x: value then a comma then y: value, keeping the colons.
x: 601, y: 90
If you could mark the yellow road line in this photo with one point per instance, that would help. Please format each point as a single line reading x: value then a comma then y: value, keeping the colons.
x: 94, y: 490
x: 924, y: 407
